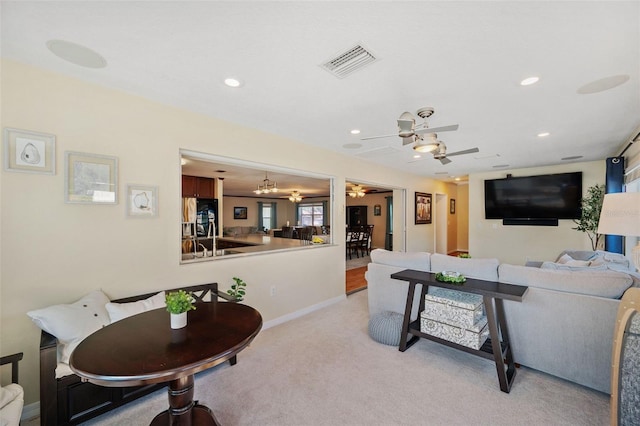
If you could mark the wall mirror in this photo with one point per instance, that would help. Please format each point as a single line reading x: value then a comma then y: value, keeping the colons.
x: 235, y: 208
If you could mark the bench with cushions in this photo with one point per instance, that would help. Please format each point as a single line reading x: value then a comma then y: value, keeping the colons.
x: 64, y: 398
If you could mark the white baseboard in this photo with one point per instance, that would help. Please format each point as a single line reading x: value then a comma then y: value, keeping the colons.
x: 30, y: 411
x: 302, y: 312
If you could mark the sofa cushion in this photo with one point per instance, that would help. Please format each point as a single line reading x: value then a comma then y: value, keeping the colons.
x: 573, y: 266
x: 419, y: 261
x: 609, y: 284
x: 72, y: 323
x: 483, y: 269
x: 118, y: 311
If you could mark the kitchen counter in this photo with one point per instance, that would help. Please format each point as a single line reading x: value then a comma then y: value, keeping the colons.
x: 251, y: 244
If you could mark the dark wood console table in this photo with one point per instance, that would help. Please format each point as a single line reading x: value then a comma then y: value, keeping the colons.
x: 143, y: 349
x: 497, y: 347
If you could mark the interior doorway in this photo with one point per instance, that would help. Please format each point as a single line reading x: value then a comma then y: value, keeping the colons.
x: 440, y: 220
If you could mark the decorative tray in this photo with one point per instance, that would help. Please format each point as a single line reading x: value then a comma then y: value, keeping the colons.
x: 450, y: 277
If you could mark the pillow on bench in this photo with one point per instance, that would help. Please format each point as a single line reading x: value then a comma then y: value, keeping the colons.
x: 119, y: 311
x: 72, y: 323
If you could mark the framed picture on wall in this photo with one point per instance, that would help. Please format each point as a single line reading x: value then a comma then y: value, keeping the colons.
x: 31, y: 152
x: 142, y: 200
x: 377, y: 210
x: 423, y: 208
x: 452, y: 206
x: 90, y: 178
x: 239, y: 212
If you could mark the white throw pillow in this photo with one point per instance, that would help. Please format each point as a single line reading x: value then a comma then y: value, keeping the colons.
x: 72, y: 323
x: 564, y: 259
x: 118, y: 311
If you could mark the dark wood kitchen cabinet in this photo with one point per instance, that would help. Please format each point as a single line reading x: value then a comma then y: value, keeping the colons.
x: 198, y: 187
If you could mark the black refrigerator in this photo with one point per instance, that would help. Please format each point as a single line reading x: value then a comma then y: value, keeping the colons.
x: 207, y: 212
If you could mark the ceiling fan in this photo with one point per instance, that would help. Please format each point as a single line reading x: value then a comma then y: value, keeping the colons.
x: 438, y: 148
x: 408, y: 130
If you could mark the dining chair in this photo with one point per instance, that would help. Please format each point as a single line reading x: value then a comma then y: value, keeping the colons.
x: 287, y: 232
x: 352, y: 244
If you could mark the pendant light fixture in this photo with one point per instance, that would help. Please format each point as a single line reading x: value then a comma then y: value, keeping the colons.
x: 267, y: 186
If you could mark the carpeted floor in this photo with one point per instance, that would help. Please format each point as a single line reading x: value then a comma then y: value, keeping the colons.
x: 323, y: 369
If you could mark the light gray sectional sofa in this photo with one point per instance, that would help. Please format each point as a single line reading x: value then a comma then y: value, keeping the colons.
x: 565, y: 324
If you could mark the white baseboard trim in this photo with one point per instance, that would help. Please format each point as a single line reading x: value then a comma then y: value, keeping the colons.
x: 30, y: 411
x: 302, y: 312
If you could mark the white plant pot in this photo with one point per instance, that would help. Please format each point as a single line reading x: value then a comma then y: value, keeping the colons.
x: 179, y: 320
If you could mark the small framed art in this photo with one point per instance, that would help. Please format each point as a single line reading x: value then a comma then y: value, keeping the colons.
x: 142, y: 200
x: 90, y: 178
x: 452, y: 206
x: 31, y: 152
x: 239, y: 212
x: 377, y: 211
x: 423, y: 208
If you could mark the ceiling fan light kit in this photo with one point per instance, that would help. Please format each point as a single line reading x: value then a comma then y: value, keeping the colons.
x: 295, y: 197
x: 356, y: 192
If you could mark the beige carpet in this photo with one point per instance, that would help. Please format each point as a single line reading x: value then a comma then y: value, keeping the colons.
x: 323, y: 369
x: 357, y: 262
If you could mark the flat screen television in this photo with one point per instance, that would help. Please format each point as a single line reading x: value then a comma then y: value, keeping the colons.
x: 553, y: 196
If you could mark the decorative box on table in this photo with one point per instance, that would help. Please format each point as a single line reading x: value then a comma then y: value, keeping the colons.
x: 455, y: 316
x: 453, y: 307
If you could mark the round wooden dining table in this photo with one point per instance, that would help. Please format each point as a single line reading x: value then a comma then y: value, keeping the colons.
x: 144, y: 349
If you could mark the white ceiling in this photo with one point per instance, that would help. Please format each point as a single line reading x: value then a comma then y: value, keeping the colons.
x: 465, y: 59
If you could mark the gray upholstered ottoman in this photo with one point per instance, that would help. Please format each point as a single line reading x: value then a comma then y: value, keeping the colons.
x: 385, y: 327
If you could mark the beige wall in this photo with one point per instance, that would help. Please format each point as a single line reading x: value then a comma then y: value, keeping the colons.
x: 52, y: 252
x: 517, y: 244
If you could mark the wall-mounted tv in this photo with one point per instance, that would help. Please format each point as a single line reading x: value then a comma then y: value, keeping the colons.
x: 553, y: 196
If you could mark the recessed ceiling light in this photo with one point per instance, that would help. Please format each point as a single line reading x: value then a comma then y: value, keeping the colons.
x: 232, y: 82
x: 529, y: 81
x: 352, y: 145
x: 76, y: 54
x: 457, y: 179
x: 355, y: 132
x: 573, y: 157
x: 543, y: 134
x: 417, y: 156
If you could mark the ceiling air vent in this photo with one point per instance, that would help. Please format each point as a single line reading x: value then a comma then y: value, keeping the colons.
x: 352, y: 60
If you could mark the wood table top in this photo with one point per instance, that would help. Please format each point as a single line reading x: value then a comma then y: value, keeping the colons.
x: 471, y: 285
x: 144, y: 349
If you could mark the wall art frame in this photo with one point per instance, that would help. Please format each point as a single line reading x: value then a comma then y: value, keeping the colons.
x: 90, y: 178
x: 240, y: 213
x: 377, y: 210
x: 452, y: 206
x: 423, y: 208
x: 27, y: 151
x: 142, y: 200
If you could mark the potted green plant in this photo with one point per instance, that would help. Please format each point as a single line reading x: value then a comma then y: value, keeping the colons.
x: 178, y: 304
x: 238, y: 290
x: 591, y: 206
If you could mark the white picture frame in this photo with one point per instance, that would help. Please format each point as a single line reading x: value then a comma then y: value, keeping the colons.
x: 142, y: 200
x: 29, y: 152
x: 90, y: 178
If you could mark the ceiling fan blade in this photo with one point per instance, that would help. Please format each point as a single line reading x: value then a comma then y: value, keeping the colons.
x: 438, y: 129
x: 466, y: 151
x: 407, y: 141
x: 378, y: 137
x: 445, y: 161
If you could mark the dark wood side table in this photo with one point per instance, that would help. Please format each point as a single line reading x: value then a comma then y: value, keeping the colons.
x: 143, y: 349
x: 497, y: 347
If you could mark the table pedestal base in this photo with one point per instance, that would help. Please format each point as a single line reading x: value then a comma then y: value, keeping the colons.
x: 183, y: 410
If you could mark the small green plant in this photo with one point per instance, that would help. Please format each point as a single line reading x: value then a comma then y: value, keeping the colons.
x: 465, y: 255
x: 590, y: 215
x: 238, y: 289
x: 179, y: 301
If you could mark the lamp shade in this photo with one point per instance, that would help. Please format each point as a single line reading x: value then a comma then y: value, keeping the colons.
x: 620, y: 214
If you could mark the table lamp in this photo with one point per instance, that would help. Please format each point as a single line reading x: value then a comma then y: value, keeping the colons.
x: 620, y: 215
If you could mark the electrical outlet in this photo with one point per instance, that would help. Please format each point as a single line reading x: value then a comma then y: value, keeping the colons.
x: 273, y: 290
